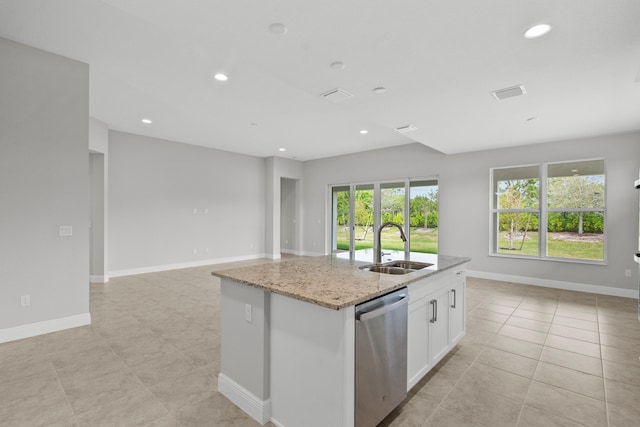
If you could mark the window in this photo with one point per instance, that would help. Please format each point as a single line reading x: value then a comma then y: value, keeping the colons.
x: 359, y: 209
x: 549, y: 211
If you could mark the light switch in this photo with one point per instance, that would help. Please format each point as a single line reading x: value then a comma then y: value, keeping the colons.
x: 65, y: 231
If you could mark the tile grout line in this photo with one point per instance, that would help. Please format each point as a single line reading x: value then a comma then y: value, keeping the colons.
x: 524, y: 401
x: 138, y: 379
x: 604, y: 381
x: 66, y: 397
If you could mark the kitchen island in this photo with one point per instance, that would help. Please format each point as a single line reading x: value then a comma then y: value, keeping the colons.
x: 288, y: 333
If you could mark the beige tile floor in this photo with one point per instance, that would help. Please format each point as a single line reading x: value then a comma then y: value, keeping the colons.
x: 532, y: 357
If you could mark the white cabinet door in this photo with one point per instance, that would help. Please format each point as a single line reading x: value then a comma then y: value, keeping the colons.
x: 439, y: 325
x: 457, y: 307
x: 418, y: 341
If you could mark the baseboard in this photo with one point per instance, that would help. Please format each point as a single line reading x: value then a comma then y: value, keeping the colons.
x: 307, y: 253
x: 556, y: 284
x: 176, y: 266
x: 259, y: 410
x: 46, y: 327
x: 98, y: 279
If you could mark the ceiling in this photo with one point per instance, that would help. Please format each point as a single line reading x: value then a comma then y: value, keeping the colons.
x: 438, y: 60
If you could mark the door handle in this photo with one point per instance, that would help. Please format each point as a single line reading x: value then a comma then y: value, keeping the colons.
x: 454, y: 298
x: 434, y: 305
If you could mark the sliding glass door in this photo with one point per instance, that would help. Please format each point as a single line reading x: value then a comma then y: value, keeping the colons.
x: 358, y: 210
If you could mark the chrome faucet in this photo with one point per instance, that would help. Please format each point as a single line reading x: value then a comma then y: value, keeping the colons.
x: 378, y: 250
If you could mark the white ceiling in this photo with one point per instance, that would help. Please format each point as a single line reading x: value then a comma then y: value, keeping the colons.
x: 438, y: 60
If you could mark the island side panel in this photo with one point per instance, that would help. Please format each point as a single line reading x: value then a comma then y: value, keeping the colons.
x: 312, y: 364
x: 244, y: 373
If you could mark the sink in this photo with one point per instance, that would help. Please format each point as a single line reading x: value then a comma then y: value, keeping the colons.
x: 396, y: 267
x: 386, y: 270
x: 411, y: 265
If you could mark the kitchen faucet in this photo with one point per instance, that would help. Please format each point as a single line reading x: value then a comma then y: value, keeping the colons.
x: 378, y: 250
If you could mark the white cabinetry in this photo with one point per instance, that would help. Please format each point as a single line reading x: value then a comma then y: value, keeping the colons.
x: 436, y: 321
x: 457, y: 308
x: 418, y: 341
x: 439, y: 325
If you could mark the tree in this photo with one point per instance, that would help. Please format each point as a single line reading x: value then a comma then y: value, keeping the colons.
x: 517, y: 194
x: 576, y: 192
x: 392, y: 204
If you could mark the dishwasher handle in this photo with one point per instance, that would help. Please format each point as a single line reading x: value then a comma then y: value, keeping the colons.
x: 383, y: 310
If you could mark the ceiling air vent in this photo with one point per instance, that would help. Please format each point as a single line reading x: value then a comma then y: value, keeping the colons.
x: 509, y: 92
x: 405, y: 129
x: 336, y: 95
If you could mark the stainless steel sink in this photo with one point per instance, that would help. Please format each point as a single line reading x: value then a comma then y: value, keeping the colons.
x: 396, y: 267
x: 386, y: 270
x: 411, y: 265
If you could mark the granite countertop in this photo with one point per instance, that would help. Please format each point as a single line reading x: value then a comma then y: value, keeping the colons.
x: 331, y: 281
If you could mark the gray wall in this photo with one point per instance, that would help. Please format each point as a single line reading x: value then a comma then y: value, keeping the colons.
x: 168, y: 199
x: 464, y: 201
x: 44, y: 179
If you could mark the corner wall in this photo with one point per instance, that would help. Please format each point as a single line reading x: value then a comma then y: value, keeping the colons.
x: 44, y: 174
x: 174, y: 205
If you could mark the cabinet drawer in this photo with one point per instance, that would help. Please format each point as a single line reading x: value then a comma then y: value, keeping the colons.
x: 429, y: 285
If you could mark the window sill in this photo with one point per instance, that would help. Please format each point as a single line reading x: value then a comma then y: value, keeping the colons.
x: 551, y: 259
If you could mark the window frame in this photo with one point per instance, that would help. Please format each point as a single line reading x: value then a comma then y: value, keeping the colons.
x: 543, y: 210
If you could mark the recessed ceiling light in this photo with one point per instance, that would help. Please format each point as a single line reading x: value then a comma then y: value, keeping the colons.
x: 278, y: 29
x: 147, y: 121
x: 337, y: 65
x: 364, y: 131
x: 282, y: 149
x: 221, y: 77
x: 380, y: 90
x: 537, y: 31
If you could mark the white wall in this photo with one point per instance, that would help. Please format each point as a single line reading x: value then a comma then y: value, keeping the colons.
x: 167, y: 199
x: 464, y: 202
x: 44, y: 174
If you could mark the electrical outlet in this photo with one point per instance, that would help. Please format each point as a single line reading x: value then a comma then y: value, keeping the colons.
x: 25, y: 300
x: 627, y: 273
x: 247, y: 312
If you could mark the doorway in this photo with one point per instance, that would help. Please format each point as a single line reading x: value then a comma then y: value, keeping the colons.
x: 288, y: 216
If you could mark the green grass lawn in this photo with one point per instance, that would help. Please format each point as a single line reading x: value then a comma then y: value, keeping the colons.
x: 555, y: 248
x: 426, y: 242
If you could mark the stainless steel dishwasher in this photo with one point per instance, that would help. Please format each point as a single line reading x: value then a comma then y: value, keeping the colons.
x: 380, y: 357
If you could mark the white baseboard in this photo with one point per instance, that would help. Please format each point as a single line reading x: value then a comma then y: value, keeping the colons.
x: 179, y: 265
x: 556, y: 284
x: 98, y: 279
x: 259, y: 410
x: 307, y: 253
x: 41, y: 328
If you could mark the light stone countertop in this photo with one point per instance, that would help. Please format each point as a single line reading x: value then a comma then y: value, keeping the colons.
x: 330, y: 281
